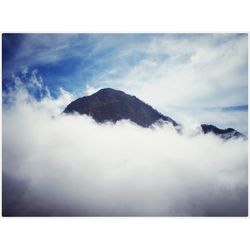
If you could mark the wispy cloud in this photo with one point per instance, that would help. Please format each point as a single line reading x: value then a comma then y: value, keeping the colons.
x: 185, y: 71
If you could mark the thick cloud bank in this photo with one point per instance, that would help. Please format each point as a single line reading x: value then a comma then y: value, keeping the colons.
x: 70, y: 165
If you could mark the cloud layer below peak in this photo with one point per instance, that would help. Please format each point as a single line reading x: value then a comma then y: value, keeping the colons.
x: 70, y: 165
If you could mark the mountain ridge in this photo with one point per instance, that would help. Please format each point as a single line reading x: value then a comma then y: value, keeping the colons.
x: 113, y: 105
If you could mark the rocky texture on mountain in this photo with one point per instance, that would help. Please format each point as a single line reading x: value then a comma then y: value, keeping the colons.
x: 223, y: 133
x: 114, y: 105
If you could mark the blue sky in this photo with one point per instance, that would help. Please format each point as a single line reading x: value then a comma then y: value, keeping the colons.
x: 190, y: 77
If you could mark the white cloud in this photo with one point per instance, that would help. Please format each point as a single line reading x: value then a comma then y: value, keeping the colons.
x: 20, y: 93
x: 25, y: 70
x: 55, y: 106
x: 89, y: 90
x: 199, y: 70
x: 69, y: 165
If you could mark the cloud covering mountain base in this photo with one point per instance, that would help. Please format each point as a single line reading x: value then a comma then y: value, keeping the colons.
x: 68, y: 165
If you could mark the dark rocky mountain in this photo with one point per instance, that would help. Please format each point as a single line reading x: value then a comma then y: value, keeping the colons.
x: 114, y: 105
x: 223, y: 133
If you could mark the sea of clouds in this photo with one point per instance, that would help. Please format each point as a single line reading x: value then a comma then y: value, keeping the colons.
x: 68, y: 165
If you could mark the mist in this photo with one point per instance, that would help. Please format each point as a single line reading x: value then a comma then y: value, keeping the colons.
x: 69, y: 165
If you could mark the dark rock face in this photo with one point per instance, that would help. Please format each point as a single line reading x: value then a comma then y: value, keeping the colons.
x: 113, y: 105
x: 223, y: 133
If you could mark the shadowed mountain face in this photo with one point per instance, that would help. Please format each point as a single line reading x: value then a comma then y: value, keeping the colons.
x: 223, y: 133
x: 114, y: 105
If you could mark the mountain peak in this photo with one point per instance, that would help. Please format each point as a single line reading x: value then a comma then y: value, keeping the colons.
x: 113, y: 105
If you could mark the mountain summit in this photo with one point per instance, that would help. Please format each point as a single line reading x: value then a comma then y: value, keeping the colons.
x: 114, y: 105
